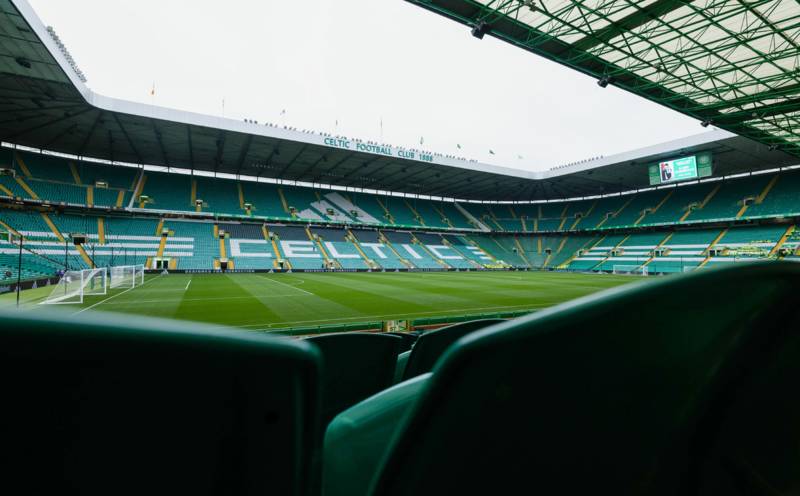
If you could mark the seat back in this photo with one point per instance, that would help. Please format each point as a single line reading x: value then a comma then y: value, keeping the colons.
x: 660, y: 388
x: 356, y: 365
x: 105, y: 405
x: 431, y: 345
x: 408, y: 339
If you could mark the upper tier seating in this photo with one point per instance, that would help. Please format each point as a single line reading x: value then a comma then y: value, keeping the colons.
x: 636, y: 206
x: 221, y: 197
x: 265, y: 199
x: 56, y: 179
x: 168, y: 192
x: 782, y: 199
x: 726, y: 203
x: 678, y: 203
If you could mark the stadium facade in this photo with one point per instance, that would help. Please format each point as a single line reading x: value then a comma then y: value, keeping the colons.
x: 248, y: 196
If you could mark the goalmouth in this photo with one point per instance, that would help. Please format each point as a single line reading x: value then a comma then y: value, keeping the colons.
x: 126, y: 276
x: 75, y: 284
x: 636, y: 270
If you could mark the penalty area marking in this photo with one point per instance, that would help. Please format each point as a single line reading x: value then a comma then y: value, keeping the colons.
x: 114, y: 296
x: 289, y: 286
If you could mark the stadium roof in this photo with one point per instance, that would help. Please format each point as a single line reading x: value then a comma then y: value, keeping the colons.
x: 733, y: 63
x: 45, y: 104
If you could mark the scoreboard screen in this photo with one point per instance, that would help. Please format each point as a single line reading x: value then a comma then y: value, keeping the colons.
x: 680, y: 169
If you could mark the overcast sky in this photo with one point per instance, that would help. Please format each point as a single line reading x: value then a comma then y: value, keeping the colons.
x: 356, y: 61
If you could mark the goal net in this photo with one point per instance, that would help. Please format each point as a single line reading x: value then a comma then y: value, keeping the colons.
x: 126, y: 276
x: 75, y: 284
x: 638, y: 270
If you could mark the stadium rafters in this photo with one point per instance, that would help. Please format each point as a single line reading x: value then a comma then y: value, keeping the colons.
x: 730, y: 63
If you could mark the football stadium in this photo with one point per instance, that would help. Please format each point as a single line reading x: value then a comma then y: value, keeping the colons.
x: 197, y: 304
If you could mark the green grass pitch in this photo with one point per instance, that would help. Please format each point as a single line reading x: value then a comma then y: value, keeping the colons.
x: 272, y: 301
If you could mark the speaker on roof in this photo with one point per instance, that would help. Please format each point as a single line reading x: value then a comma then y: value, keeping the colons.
x: 480, y: 29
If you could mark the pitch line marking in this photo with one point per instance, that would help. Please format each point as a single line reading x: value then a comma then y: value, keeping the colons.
x: 173, y: 300
x: 114, y: 296
x: 187, y: 285
x: 281, y: 325
x: 289, y: 286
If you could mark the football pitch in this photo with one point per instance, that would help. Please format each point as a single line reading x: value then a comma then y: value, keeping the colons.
x: 266, y: 302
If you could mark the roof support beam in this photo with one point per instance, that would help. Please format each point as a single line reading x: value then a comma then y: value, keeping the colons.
x: 220, y: 150
x: 190, y: 145
x: 44, y: 125
x: 291, y: 160
x: 160, y: 141
x: 90, y: 133
x: 778, y: 108
x: 127, y: 138
x: 243, y: 153
x: 641, y: 16
x: 331, y: 169
x: 59, y: 135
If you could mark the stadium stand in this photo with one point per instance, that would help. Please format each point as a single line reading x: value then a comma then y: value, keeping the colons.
x: 167, y: 192
x: 679, y: 203
x: 248, y: 246
x: 192, y: 245
x: 377, y: 249
x: 218, y: 196
x: 405, y: 244
x: 265, y: 198
x: 727, y: 202
x: 338, y: 247
x: 297, y: 247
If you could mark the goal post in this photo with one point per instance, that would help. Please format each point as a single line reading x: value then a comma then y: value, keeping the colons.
x: 638, y: 270
x: 75, y: 284
x: 126, y: 276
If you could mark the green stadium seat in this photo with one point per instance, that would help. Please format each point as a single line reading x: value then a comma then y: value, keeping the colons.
x: 357, y: 438
x: 355, y: 366
x: 101, y: 405
x: 430, y: 346
x: 408, y: 339
x: 668, y: 387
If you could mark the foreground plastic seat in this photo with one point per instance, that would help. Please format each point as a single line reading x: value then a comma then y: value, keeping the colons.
x: 430, y: 346
x: 357, y: 435
x: 356, y: 365
x: 408, y: 338
x: 125, y: 405
x: 686, y: 385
